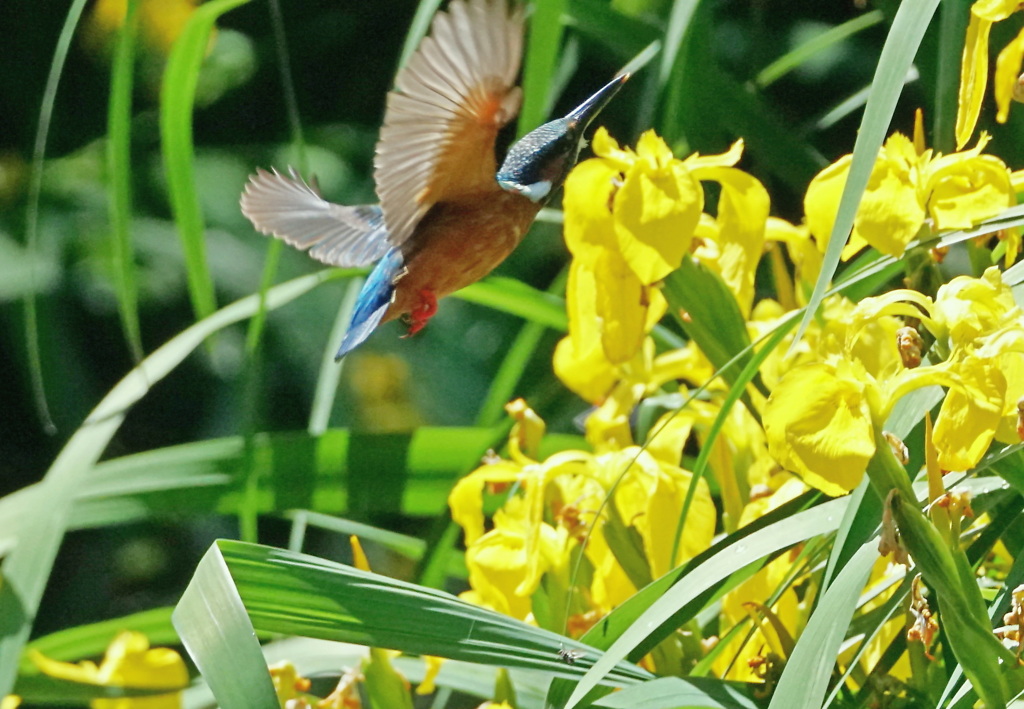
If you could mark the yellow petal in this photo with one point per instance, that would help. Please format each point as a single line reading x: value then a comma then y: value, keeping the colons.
x: 819, y: 426
x: 622, y: 303
x: 969, y: 415
x: 656, y: 212
x: 821, y: 201
x: 973, y: 78
x: 890, y: 212
x: 742, y: 214
x: 966, y: 188
x: 995, y: 10
x: 1008, y: 65
x: 969, y: 308
x: 580, y: 361
x: 653, y: 150
x: 131, y: 662
x: 726, y: 159
x: 589, y: 190
x: 85, y: 672
x: 359, y: 559
x: 586, y: 373
x: 433, y: 669
x: 497, y: 563
x: 527, y: 431
x: 466, y: 498
x: 606, y: 147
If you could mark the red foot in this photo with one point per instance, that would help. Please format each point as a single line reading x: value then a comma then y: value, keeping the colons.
x: 423, y: 311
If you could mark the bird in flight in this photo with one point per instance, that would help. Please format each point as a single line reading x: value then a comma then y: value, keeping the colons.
x: 448, y: 215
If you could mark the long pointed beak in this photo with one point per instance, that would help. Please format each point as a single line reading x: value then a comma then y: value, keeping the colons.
x: 588, y: 110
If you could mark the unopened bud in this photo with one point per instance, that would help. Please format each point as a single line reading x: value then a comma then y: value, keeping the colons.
x: 899, y: 448
x: 910, y: 345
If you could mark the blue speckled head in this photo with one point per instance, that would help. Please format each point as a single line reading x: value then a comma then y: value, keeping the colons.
x: 538, y: 163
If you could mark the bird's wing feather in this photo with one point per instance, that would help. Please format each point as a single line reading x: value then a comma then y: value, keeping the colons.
x: 446, y: 109
x: 293, y: 211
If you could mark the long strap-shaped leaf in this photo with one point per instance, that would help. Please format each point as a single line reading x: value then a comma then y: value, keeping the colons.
x: 291, y: 593
x: 805, y: 678
x: 177, y: 98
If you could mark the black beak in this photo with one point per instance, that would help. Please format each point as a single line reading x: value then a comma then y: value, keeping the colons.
x: 583, y: 114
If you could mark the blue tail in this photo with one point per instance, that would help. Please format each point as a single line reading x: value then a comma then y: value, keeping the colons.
x: 373, y: 301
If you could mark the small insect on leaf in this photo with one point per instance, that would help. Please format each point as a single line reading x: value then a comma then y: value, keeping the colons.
x: 569, y: 657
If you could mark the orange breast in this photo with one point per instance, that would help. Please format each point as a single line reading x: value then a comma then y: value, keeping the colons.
x: 458, y: 243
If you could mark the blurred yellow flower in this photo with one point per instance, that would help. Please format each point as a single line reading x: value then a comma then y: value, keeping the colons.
x: 160, y: 21
x: 129, y: 662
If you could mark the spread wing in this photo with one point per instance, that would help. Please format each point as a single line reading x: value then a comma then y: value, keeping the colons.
x: 293, y: 211
x: 445, y: 111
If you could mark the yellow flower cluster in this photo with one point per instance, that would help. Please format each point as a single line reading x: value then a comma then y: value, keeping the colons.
x: 912, y: 193
x: 581, y: 530
x: 822, y: 418
x: 558, y: 504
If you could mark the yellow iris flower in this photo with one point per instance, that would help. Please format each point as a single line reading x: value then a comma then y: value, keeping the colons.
x: 630, y: 219
x: 911, y: 192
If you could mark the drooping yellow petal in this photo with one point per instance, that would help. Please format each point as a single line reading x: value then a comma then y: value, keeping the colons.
x: 742, y: 214
x: 85, y: 671
x: 589, y: 191
x: 819, y: 426
x: 650, y: 498
x: 622, y: 303
x: 466, y: 498
x: 821, y: 200
x: 973, y: 78
x: 497, y: 564
x: 1011, y: 364
x: 972, y: 307
x: 969, y: 415
x: 580, y: 361
x: 433, y: 669
x: 656, y: 212
x: 891, y: 212
x: 129, y: 662
x: 1008, y: 66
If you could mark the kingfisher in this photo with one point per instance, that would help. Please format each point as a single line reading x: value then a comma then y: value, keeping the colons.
x: 447, y: 215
